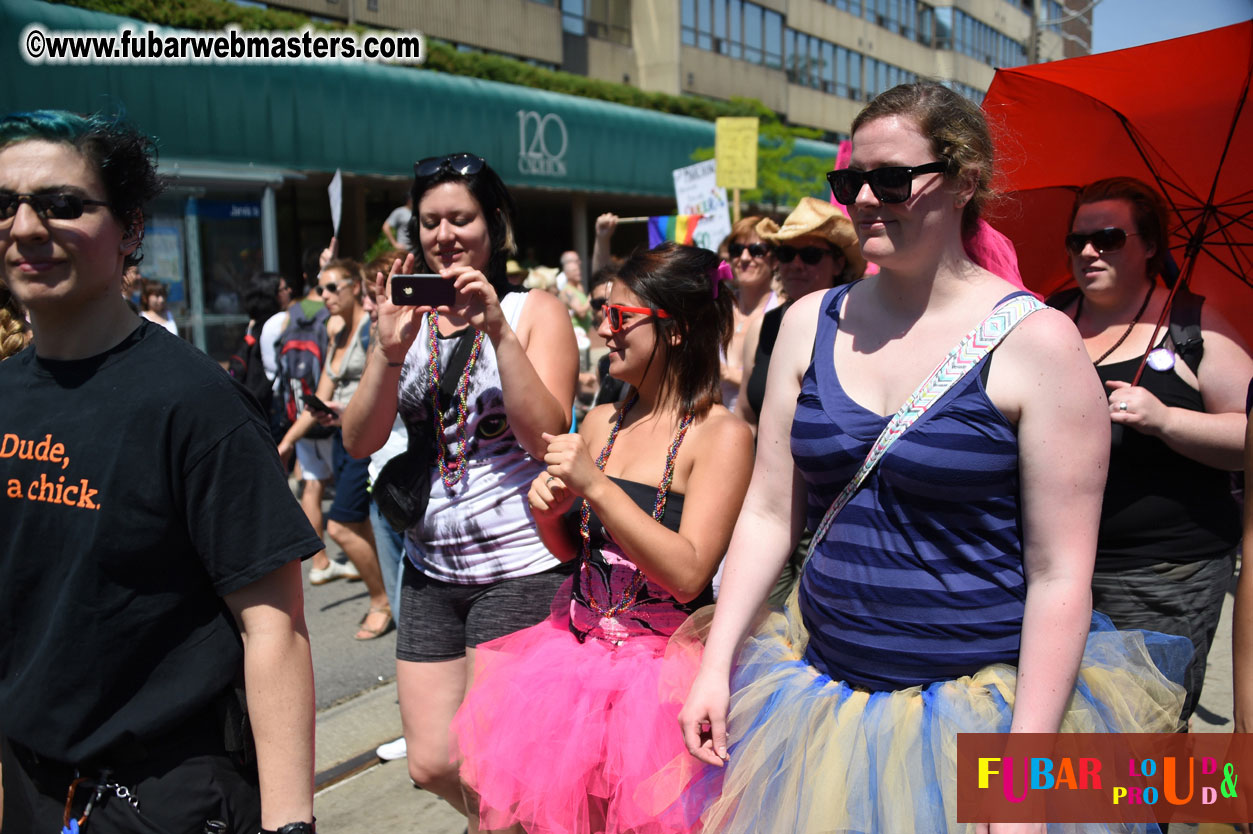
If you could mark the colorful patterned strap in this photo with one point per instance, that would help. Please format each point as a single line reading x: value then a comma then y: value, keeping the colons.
x: 977, y: 344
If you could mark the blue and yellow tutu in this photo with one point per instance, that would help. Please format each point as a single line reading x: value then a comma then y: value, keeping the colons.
x: 810, y: 754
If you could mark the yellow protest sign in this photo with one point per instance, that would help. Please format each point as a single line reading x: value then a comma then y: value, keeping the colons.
x: 735, y: 149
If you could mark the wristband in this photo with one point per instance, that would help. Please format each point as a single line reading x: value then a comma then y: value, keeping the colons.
x: 295, y: 828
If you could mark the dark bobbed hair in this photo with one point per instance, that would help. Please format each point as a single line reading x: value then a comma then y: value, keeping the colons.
x: 680, y: 280
x: 261, y: 297
x: 494, y: 199
x: 1148, y: 210
x: 123, y: 158
x: 957, y: 129
x: 149, y: 287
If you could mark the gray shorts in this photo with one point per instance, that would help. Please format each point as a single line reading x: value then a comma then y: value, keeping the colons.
x: 439, y: 620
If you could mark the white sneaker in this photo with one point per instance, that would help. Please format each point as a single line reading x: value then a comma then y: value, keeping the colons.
x: 335, y: 570
x: 392, y: 750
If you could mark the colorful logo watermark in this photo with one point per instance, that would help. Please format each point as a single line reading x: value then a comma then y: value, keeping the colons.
x: 1103, y: 777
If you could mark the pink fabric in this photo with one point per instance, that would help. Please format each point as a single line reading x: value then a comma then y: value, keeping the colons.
x: 559, y: 735
x: 994, y: 252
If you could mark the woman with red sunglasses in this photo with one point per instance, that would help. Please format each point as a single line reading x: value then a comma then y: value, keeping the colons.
x: 564, y: 722
x: 1169, y: 528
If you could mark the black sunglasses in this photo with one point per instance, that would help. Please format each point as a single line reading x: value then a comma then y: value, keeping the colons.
x: 465, y: 164
x: 598, y: 304
x: 60, y: 205
x: 889, y: 185
x: 756, y: 250
x: 332, y: 287
x: 809, y: 254
x: 1102, y: 240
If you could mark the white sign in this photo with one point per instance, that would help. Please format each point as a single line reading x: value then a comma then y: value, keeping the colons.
x: 696, y: 192
x: 542, y: 144
x: 336, y: 192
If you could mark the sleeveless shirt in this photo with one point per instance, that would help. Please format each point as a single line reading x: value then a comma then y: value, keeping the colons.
x: 610, y: 571
x: 352, y: 367
x: 482, y: 530
x: 920, y: 578
x: 1161, y: 506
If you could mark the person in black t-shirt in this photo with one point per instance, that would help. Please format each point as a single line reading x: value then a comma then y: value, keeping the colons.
x: 151, y: 546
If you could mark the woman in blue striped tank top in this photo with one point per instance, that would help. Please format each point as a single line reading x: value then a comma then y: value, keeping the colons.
x: 951, y: 593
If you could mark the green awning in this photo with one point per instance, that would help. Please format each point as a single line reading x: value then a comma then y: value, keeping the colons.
x: 361, y: 117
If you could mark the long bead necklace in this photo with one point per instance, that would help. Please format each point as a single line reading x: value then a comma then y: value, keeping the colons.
x: 1125, y: 333
x: 451, y: 474
x: 638, y: 580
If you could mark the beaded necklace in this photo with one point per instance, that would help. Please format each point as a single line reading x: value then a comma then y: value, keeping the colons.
x: 638, y: 580
x: 450, y: 473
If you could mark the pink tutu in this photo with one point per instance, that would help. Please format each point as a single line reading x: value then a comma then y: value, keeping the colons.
x: 558, y: 735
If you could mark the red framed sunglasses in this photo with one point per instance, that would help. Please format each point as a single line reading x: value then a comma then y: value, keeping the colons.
x: 614, y: 313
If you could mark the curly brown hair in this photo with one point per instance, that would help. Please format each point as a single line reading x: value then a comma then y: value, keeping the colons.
x: 14, y: 334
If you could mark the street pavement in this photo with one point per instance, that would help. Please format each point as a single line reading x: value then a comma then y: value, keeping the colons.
x: 357, y: 711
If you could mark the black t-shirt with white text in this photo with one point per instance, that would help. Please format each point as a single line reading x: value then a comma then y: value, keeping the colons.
x: 137, y: 488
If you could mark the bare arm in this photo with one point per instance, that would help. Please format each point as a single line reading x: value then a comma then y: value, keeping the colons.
x: 1214, y: 437
x: 306, y: 420
x: 1242, y: 625
x: 683, y: 562
x: 370, y: 414
x: 606, y: 224
x: 390, y: 235
x: 539, y: 368
x: 1043, y: 376
x: 278, y: 676
x: 769, y: 526
x: 752, y: 337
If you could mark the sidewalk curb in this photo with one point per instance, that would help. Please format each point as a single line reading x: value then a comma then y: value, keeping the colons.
x: 348, y: 732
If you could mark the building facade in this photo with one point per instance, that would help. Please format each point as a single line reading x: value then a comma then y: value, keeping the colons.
x: 815, y: 62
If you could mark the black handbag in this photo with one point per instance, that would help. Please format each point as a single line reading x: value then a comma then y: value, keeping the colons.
x: 403, y: 487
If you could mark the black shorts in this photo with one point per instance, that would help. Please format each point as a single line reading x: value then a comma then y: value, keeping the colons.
x: 439, y: 620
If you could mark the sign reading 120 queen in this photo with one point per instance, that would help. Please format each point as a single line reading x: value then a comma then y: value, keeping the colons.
x: 542, y: 144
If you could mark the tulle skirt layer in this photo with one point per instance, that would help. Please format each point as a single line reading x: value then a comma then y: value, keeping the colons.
x: 557, y: 735
x: 811, y: 754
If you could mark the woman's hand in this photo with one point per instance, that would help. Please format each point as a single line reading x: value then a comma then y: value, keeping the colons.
x: 1133, y: 406
x: 398, y: 325
x: 569, y: 460
x: 285, y: 450
x: 703, y: 719
x: 329, y: 420
x: 549, y: 498
x: 477, y: 301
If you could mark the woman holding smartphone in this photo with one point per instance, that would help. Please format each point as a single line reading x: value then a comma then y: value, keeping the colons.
x: 476, y: 568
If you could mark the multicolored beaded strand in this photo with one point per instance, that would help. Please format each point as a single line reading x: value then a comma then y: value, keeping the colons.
x: 638, y: 580
x: 451, y: 475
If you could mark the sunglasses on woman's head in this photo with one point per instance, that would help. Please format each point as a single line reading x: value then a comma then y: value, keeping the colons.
x: 614, y: 313
x: 465, y: 164
x: 808, y: 254
x: 59, y: 205
x: 755, y: 250
x: 1102, y: 240
x: 889, y: 185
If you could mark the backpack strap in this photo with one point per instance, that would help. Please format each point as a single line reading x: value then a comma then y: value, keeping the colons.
x: 962, y: 359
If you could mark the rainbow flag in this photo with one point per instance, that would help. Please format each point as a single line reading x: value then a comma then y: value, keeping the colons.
x: 678, y: 228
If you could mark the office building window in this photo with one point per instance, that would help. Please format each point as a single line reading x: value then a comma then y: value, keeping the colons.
x: 958, y: 31
x: 608, y: 20
x: 813, y: 62
x: 736, y: 28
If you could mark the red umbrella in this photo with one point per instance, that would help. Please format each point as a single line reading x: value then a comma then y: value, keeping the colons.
x: 1174, y: 114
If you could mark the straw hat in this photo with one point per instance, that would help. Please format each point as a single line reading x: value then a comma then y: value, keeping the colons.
x: 542, y: 278
x: 512, y: 267
x: 819, y: 219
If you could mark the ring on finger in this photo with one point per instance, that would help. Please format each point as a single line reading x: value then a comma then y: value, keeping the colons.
x: 1122, y: 406
x: 550, y: 479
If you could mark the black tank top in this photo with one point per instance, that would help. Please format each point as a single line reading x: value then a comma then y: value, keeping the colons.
x: 1161, y: 506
